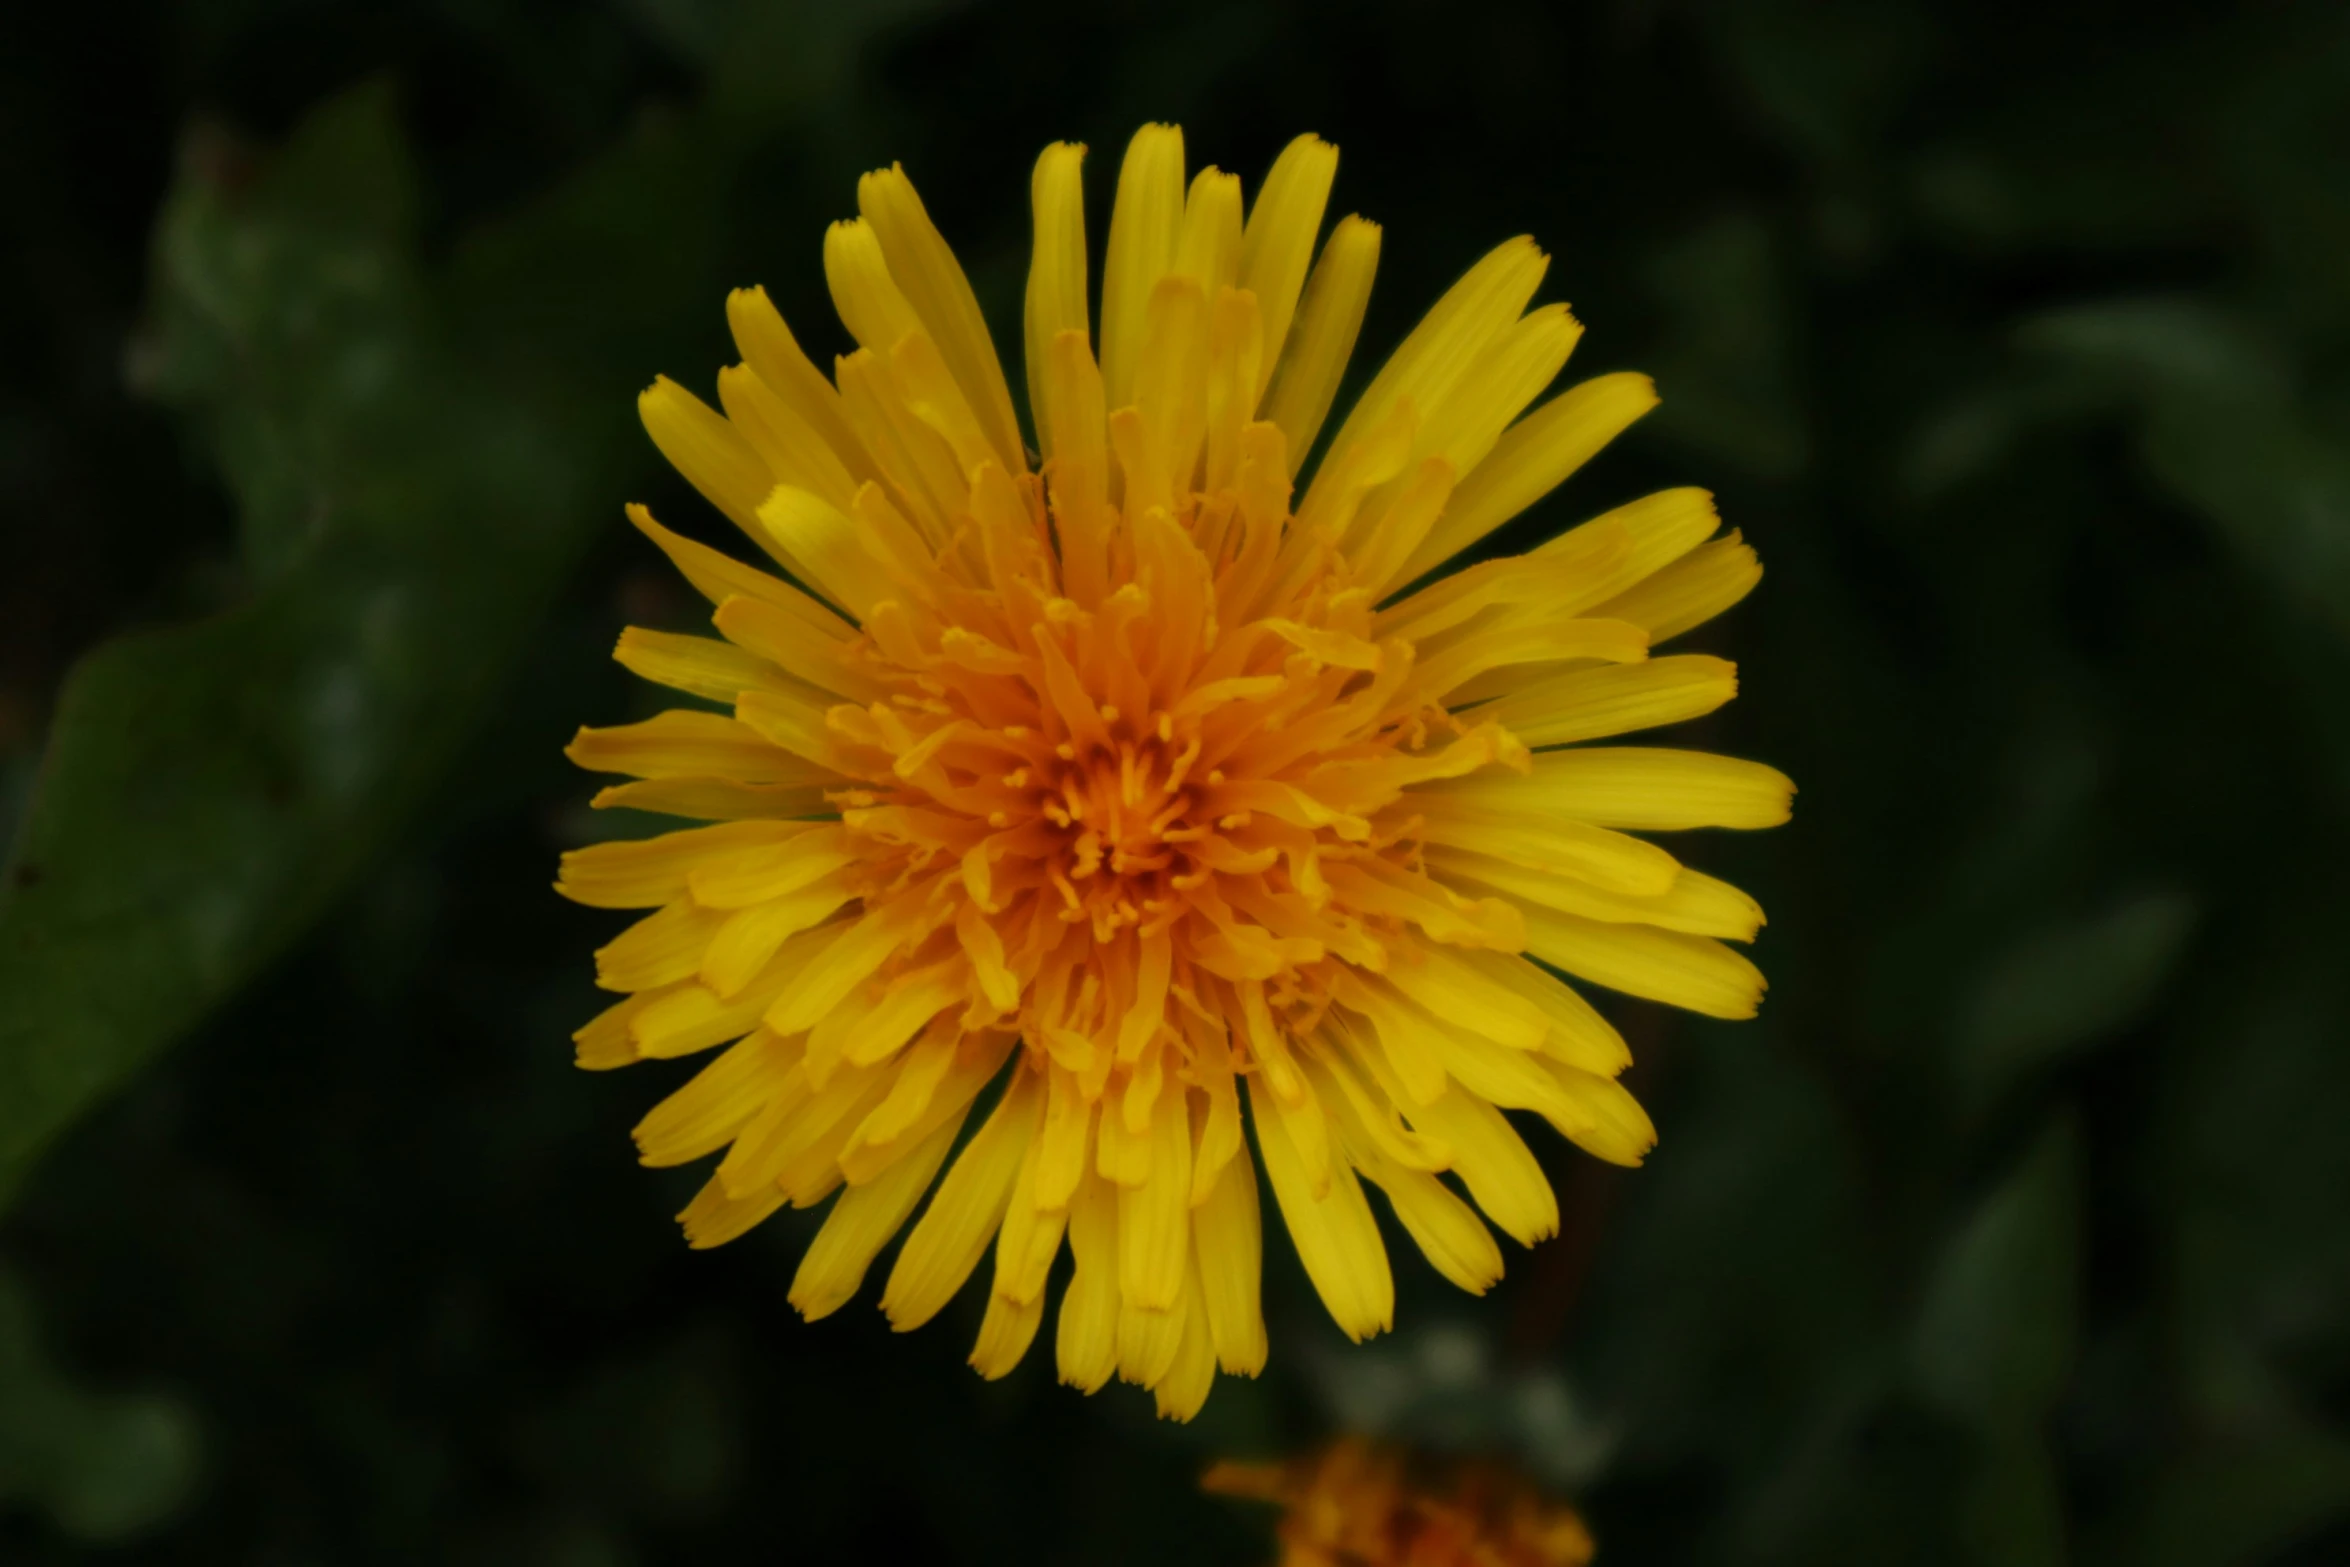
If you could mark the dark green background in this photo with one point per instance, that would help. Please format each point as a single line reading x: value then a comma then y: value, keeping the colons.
x: 2017, y: 1230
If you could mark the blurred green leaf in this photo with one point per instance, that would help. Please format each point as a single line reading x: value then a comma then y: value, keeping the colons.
x: 796, y: 56
x: 1825, y: 77
x: 2121, y: 159
x: 104, y: 1467
x: 2226, y: 423
x: 2235, y: 121
x: 2011, y: 1507
x: 2061, y: 989
x: 416, y: 465
x: 1995, y: 1333
x: 2286, y: 132
x: 1725, y: 361
x: 2240, y: 1503
x: 655, y: 1432
x: 1994, y: 1345
x: 2254, y: 1184
x: 208, y: 786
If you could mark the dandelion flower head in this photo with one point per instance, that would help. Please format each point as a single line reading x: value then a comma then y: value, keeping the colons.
x: 1354, y: 1504
x: 1085, y: 806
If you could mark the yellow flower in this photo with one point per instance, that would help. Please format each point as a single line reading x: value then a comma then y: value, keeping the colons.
x: 1128, y: 785
x: 1356, y: 1505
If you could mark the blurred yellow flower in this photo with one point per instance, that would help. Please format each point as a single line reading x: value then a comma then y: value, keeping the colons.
x: 1358, y: 1505
x: 1129, y: 785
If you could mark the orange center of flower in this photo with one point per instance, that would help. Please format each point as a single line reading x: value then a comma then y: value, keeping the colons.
x: 1143, y: 799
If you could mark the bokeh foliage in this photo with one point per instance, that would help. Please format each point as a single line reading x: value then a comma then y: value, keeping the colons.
x: 2016, y: 1231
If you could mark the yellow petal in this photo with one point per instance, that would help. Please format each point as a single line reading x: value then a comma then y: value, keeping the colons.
x: 1520, y: 635
x: 1029, y: 1240
x: 905, y: 1004
x: 932, y: 395
x: 1592, y: 704
x: 941, y: 1078
x: 1579, y: 1037
x: 1696, y: 903
x: 775, y: 357
x: 1602, y: 1118
x: 1691, y: 591
x: 691, y: 1017
x: 1379, y: 887
x: 794, y: 723
x: 1407, y: 1054
x: 701, y: 1117
x: 1148, y: 1341
x: 701, y: 666
x: 932, y: 281
x: 825, y: 546
x: 1207, y: 249
x: 1236, y: 353
x: 608, y: 1040
x: 1184, y: 1388
x: 1170, y: 393
x: 1447, y: 1230
x: 1005, y: 1333
x: 1056, y: 274
x: 1524, y: 833
x: 713, y: 799
x: 748, y: 939
x: 1640, y: 960
x: 1512, y: 371
x: 1532, y: 458
x: 1659, y: 529
x: 716, y: 1216
x: 1418, y: 501
x: 1228, y: 1243
x: 660, y: 949
x: 1337, y: 1239
x: 1145, y: 221
x: 1495, y: 1164
x: 644, y: 873
x: 795, y: 1146
x: 1154, y: 1218
x: 719, y: 577
x: 849, y: 960
x: 962, y: 1218
x: 1452, y: 990
x: 1065, y: 1140
x: 1512, y: 1079
x: 709, y: 452
x: 1439, y: 351
x: 1282, y: 227
x: 686, y: 744
x: 1359, y: 1070
x: 871, y: 305
x: 862, y: 1221
x: 788, y: 444
x: 920, y: 472
x: 825, y: 663
x: 1080, y: 476
x: 1086, y: 1344
x: 781, y: 863
x: 1322, y: 339
x: 1640, y: 787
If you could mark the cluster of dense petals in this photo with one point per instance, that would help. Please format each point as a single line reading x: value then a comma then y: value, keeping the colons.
x: 1354, y: 1504
x: 1075, y: 813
